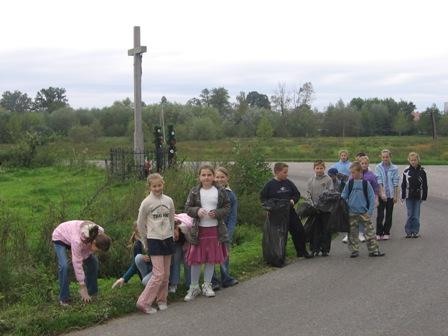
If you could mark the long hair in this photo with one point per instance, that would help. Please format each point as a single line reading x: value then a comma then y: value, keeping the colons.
x: 135, y: 235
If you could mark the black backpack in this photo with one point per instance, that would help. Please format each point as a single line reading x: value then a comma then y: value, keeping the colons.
x: 364, y: 189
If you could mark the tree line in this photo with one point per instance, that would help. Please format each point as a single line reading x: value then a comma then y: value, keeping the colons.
x: 211, y: 115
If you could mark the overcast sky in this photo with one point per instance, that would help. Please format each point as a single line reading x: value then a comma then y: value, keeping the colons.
x: 346, y: 49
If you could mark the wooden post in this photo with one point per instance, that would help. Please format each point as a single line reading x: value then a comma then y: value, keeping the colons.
x: 137, y: 52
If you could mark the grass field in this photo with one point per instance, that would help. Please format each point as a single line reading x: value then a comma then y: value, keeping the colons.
x: 36, y: 198
x: 276, y: 149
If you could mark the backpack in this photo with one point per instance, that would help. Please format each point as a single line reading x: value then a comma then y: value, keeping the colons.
x: 364, y: 189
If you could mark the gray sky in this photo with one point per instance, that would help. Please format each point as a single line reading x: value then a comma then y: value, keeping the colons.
x: 346, y: 48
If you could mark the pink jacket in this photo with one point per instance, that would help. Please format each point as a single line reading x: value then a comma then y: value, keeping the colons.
x: 72, y: 233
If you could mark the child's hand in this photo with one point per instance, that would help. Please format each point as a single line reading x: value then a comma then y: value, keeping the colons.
x: 365, y: 216
x: 395, y: 200
x: 146, y: 258
x: 176, y: 234
x: 84, y: 294
x: 202, y: 213
x: 383, y: 197
x: 119, y: 283
x: 292, y: 202
x: 212, y: 213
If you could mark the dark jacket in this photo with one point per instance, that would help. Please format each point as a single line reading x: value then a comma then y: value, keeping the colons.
x: 193, y: 205
x: 414, y: 184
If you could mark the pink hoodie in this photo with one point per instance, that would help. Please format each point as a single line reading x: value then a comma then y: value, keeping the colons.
x: 72, y: 233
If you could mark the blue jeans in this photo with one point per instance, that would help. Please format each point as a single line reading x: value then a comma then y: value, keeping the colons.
x: 413, y: 221
x: 90, y: 266
x: 226, y: 278
x: 178, y: 259
x: 144, y: 268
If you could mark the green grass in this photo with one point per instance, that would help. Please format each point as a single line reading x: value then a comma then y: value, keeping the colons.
x: 31, y: 195
x: 50, y: 319
x: 276, y: 149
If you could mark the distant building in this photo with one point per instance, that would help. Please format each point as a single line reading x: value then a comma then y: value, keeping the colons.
x: 416, y: 115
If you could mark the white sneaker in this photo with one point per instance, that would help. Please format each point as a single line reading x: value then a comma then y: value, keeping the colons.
x: 172, y: 289
x: 147, y: 310
x: 345, y: 239
x: 192, y: 293
x: 163, y: 306
x: 207, y: 289
x: 361, y: 237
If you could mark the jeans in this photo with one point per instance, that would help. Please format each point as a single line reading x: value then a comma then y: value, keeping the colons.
x: 177, y: 260
x: 387, y: 206
x: 90, y: 266
x: 144, y: 269
x: 413, y: 221
x: 226, y: 278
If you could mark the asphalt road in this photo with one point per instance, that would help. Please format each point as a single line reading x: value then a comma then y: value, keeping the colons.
x: 404, y: 293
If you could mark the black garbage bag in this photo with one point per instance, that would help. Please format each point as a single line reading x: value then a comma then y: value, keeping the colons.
x: 309, y: 228
x: 339, y: 221
x: 275, y: 231
x: 306, y: 210
x: 328, y: 201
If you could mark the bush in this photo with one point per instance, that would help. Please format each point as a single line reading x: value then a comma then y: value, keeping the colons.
x: 82, y: 134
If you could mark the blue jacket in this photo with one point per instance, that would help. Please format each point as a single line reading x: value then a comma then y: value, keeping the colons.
x: 232, y: 216
x: 356, y: 201
x: 342, y: 167
x: 393, y: 178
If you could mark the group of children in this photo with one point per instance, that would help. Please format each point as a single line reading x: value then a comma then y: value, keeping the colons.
x: 364, y: 190
x: 163, y: 240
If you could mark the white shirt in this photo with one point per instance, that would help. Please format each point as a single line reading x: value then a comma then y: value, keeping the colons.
x: 209, y: 201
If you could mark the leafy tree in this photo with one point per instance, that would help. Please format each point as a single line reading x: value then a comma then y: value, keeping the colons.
x: 219, y: 99
x: 50, y: 99
x: 194, y: 102
x: 425, y: 123
x: 341, y: 120
x: 62, y: 120
x: 302, y: 121
x: 255, y: 99
x: 16, y: 101
x: 304, y: 95
x: 204, y: 97
x: 115, y: 119
x: 264, y: 129
x: 401, y: 123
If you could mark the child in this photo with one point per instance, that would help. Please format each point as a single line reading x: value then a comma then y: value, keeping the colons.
x: 222, y: 179
x: 156, y: 225
x: 209, y: 205
x: 333, y: 173
x: 141, y: 263
x: 179, y: 255
x: 370, y: 177
x: 388, y: 178
x: 360, y: 211
x: 343, y: 167
x: 83, y: 238
x: 317, y: 185
x: 414, y: 189
x: 281, y: 187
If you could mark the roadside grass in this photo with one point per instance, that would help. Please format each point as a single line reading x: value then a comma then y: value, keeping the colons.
x: 36, y: 200
x: 275, y: 149
x: 50, y: 319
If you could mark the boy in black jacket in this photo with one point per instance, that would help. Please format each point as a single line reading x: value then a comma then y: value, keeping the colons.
x: 414, y: 189
x: 281, y: 187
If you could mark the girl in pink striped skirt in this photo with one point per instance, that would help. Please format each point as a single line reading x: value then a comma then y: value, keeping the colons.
x: 209, y: 205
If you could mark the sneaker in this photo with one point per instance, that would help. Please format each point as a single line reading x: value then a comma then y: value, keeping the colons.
x: 207, y: 290
x: 345, y: 239
x: 231, y: 283
x: 377, y: 254
x: 192, y: 293
x: 386, y: 237
x: 64, y: 303
x: 146, y: 310
x: 354, y: 254
x: 361, y: 237
x: 410, y: 235
x: 216, y: 286
x: 162, y: 306
x: 415, y: 235
x: 324, y: 254
x: 172, y: 289
x: 315, y: 253
x: 378, y: 237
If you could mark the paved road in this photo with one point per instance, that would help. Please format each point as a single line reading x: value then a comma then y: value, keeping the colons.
x: 404, y: 293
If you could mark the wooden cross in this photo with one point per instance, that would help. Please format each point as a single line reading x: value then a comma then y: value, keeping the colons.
x: 137, y: 52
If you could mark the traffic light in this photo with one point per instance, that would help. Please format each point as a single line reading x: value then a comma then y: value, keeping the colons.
x: 158, y: 142
x: 171, y: 145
